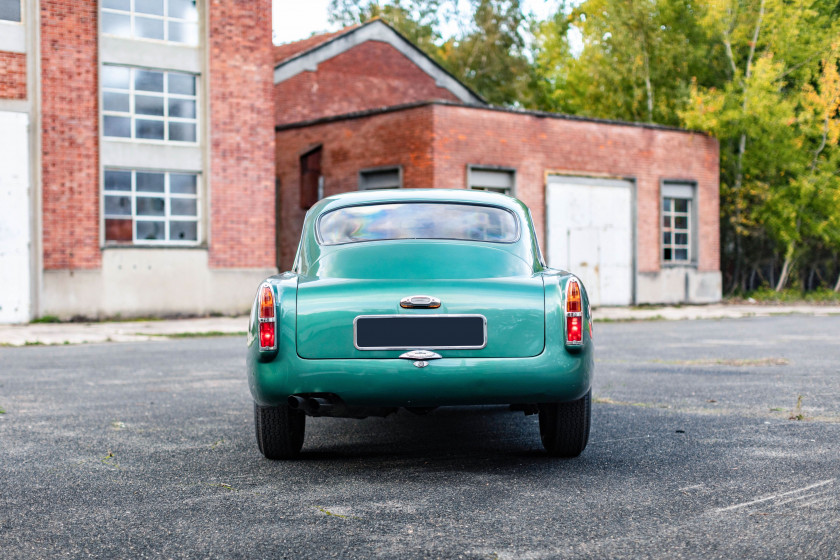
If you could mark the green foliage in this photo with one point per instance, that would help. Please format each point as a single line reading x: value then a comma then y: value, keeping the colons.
x: 759, y: 75
x: 47, y: 319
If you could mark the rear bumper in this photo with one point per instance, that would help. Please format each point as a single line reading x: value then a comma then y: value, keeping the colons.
x: 556, y: 375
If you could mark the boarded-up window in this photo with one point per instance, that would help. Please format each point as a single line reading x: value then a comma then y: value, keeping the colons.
x: 310, y: 178
x: 380, y: 178
x: 493, y: 179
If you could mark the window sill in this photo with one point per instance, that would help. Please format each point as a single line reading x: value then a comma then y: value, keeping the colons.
x: 166, y: 246
x: 678, y: 265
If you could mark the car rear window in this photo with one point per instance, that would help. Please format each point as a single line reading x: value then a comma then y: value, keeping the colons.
x: 418, y: 220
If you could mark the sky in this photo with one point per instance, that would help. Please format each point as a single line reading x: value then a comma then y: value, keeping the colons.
x: 293, y: 20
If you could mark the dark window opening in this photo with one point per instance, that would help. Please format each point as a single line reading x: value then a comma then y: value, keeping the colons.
x: 311, y: 180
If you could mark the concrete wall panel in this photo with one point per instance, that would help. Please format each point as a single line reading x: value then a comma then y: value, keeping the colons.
x: 143, y: 282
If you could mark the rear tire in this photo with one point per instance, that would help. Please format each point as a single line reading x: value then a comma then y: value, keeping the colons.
x: 279, y: 431
x: 564, y: 427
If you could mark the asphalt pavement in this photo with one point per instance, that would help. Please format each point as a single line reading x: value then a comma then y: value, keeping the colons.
x: 710, y: 439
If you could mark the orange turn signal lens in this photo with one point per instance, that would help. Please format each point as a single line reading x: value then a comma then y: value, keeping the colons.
x: 573, y: 297
x: 266, y: 303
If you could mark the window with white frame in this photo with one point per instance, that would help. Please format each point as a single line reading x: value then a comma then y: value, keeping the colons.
x: 10, y: 10
x: 493, y: 179
x: 148, y: 104
x: 677, y: 222
x: 380, y: 178
x: 165, y: 20
x: 153, y: 207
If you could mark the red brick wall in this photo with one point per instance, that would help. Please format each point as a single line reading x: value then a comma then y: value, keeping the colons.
x: 401, y: 138
x: 241, y: 136
x: 534, y: 145
x: 70, y: 117
x: 12, y: 75
x: 371, y: 75
x: 436, y: 143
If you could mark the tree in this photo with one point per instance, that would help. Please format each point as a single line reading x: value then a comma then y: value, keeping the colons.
x: 487, y: 52
x: 637, y: 62
x: 764, y: 120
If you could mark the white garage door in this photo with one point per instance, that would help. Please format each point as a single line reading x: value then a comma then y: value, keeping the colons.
x: 14, y: 218
x: 590, y: 233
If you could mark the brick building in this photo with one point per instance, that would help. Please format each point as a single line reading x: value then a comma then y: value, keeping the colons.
x: 126, y: 183
x: 139, y: 175
x: 631, y: 208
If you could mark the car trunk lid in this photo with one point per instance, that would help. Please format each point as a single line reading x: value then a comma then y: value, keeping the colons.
x: 362, y: 318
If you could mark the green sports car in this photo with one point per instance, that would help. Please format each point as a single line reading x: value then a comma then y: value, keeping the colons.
x: 419, y: 299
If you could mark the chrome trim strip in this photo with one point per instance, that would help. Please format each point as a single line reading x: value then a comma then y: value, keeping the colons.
x: 414, y: 347
x: 420, y: 355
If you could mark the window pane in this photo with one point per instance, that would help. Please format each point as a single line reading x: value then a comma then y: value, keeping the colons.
x: 182, y: 183
x: 183, y: 231
x: 666, y: 204
x: 148, y: 105
x: 666, y: 221
x: 10, y: 10
x: 183, y: 9
x: 186, y: 33
x: 118, y: 230
x: 182, y: 132
x: 124, y: 5
x: 681, y: 239
x: 148, y: 206
x: 148, y: 81
x: 182, y: 84
x: 681, y: 205
x: 117, y: 180
x: 184, y: 108
x: 416, y: 220
x: 116, y: 24
x: 152, y: 130
x: 681, y: 254
x: 117, y: 77
x: 666, y: 238
x: 680, y: 222
x: 118, y: 206
x: 117, y: 126
x: 150, y: 182
x: 148, y: 28
x: 154, y: 7
x: 183, y: 207
x: 116, y: 102
x: 150, y: 231
x: 666, y: 254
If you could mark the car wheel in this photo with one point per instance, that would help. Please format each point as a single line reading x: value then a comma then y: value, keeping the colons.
x: 564, y: 427
x: 279, y: 431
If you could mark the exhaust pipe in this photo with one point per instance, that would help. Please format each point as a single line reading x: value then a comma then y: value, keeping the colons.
x: 297, y: 403
x: 318, y: 405
x: 315, y: 406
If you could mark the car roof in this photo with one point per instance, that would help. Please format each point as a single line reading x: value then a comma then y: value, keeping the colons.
x: 462, y: 196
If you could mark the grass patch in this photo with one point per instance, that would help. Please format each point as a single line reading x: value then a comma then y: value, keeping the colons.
x: 2, y: 410
x: 768, y: 295
x: 797, y: 414
x: 208, y: 334
x: 738, y: 362
x: 607, y: 400
x: 46, y: 319
x: 596, y: 320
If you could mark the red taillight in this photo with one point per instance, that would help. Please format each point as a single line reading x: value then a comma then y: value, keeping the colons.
x: 574, y: 317
x: 268, y: 321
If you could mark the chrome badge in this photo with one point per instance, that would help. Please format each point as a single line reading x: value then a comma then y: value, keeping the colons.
x: 413, y: 302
